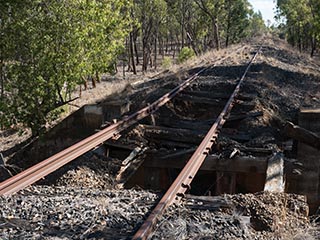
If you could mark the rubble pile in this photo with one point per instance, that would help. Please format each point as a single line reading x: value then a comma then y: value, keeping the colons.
x: 262, y: 215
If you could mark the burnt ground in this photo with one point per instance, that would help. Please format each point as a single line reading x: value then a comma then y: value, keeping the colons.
x: 101, y: 183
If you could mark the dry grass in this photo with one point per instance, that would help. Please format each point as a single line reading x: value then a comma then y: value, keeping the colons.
x: 282, y: 50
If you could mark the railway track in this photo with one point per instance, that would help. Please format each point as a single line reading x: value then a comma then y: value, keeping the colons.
x: 181, y: 184
x: 163, y: 152
x: 51, y: 164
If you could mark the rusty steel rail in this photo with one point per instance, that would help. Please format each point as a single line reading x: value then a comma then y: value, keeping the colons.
x: 49, y: 165
x: 184, y: 179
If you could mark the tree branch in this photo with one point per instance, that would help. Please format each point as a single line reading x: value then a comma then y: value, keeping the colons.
x: 62, y: 103
x: 203, y: 7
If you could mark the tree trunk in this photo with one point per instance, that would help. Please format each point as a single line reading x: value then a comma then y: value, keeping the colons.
x: 313, y: 45
x: 155, y: 51
x: 192, y: 44
x: 97, y: 77
x: 129, y: 69
x: 150, y: 56
x: 161, y: 46
x: 228, y: 24
x: 136, y: 48
x: 144, y: 59
x: 299, y: 39
x: 132, y: 54
x: 167, y: 43
x: 2, y: 78
x: 182, y: 24
x: 216, y: 34
x: 85, y: 83
x: 93, y: 80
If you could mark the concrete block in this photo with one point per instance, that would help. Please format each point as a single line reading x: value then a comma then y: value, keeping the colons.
x: 115, y: 109
x: 93, y: 116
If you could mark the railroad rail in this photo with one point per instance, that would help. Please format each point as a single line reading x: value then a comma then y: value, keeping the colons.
x: 51, y: 164
x: 184, y: 179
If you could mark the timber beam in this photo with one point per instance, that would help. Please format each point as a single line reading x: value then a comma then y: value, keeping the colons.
x: 241, y: 164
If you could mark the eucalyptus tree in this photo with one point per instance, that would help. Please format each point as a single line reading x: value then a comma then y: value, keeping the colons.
x: 48, y: 47
x: 230, y: 19
x: 56, y: 43
x: 212, y: 8
x: 315, y: 26
x: 256, y: 25
x: 302, y: 20
x: 237, y: 20
x: 151, y: 13
x: 192, y: 23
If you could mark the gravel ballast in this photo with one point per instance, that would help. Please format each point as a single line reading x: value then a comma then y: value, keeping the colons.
x: 44, y: 212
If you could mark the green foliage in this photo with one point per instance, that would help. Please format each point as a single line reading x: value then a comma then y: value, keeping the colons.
x: 257, y: 26
x: 166, y: 62
x: 47, y: 47
x: 301, y: 20
x: 185, y: 54
x: 238, y: 16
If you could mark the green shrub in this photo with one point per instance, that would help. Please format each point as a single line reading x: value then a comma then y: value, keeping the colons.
x: 166, y: 62
x: 185, y: 54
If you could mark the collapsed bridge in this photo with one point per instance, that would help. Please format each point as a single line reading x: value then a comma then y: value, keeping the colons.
x: 152, y: 153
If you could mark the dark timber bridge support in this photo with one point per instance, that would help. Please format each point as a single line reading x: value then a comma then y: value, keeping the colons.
x: 308, y: 182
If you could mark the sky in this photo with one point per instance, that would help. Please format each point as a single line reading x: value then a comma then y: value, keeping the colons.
x: 266, y: 7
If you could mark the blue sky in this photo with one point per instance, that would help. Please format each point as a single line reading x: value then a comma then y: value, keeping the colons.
x: 267, y: 8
